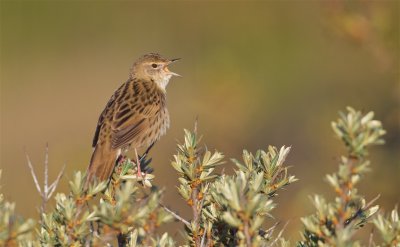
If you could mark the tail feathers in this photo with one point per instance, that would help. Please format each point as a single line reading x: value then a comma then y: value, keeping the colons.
x: 102, y: 163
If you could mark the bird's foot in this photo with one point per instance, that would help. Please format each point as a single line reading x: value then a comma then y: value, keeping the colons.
x: 140, y: 176
x: 121, y: 159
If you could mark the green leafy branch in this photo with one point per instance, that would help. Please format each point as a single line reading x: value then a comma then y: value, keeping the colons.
x: 335, y: 223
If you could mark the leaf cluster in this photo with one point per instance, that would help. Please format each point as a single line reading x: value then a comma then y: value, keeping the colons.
x: 13, y: 229
x: 121, y: 211
x: 230, y: 210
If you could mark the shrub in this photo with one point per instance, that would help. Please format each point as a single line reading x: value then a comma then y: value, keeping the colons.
x: 227, y: 210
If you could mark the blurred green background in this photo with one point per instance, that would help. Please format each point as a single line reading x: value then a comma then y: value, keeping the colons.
x: 255, y: 73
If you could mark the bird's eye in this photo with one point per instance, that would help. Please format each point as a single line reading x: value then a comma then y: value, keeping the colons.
x: 154, y: 65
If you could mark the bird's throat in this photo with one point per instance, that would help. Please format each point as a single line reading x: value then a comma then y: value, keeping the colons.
x: 163, y: 82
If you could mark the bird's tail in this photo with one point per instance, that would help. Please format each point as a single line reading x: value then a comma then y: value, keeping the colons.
x: 102, y: 163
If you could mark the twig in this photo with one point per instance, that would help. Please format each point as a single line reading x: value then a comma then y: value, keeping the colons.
x: 47, y: 190
x: 196, y: 215
x: 46, y: 179
x: 176, y: 216
x: 53, y: 186
x: 35, y: 180
x: 372, y: 201
x: 371, y: 238
x: 46, y: 171
x: 280, y: 234
x: 201, y: 207
x: 203, y: 238
x: 270, y: 230
x: 195, y: 125
x: 247, y: 234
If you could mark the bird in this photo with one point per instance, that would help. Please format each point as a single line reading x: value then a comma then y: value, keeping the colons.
x: 136, y: 116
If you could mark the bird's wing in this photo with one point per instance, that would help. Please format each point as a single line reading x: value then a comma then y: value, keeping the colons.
x: 129, y: 124
x: 102, y: 118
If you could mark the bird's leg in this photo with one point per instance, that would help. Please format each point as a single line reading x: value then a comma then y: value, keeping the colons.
x: 146, y: 152
x: 121, y: 159
x: 139, y: 171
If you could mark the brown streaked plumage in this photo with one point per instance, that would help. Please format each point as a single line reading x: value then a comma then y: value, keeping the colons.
x: 135, y: 116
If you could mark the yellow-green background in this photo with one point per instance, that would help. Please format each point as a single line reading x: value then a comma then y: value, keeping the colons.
x: 255, y: 73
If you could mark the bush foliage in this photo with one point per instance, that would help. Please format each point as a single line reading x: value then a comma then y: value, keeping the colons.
x: 227, y: 210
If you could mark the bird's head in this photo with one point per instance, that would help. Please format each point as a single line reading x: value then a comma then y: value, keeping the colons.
x: 153, y: 67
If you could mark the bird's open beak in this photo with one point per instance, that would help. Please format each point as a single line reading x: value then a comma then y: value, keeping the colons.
x: 170, y: 72
x: 174, y: 60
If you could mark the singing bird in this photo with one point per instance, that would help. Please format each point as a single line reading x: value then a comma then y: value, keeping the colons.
x: 135, y: 116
